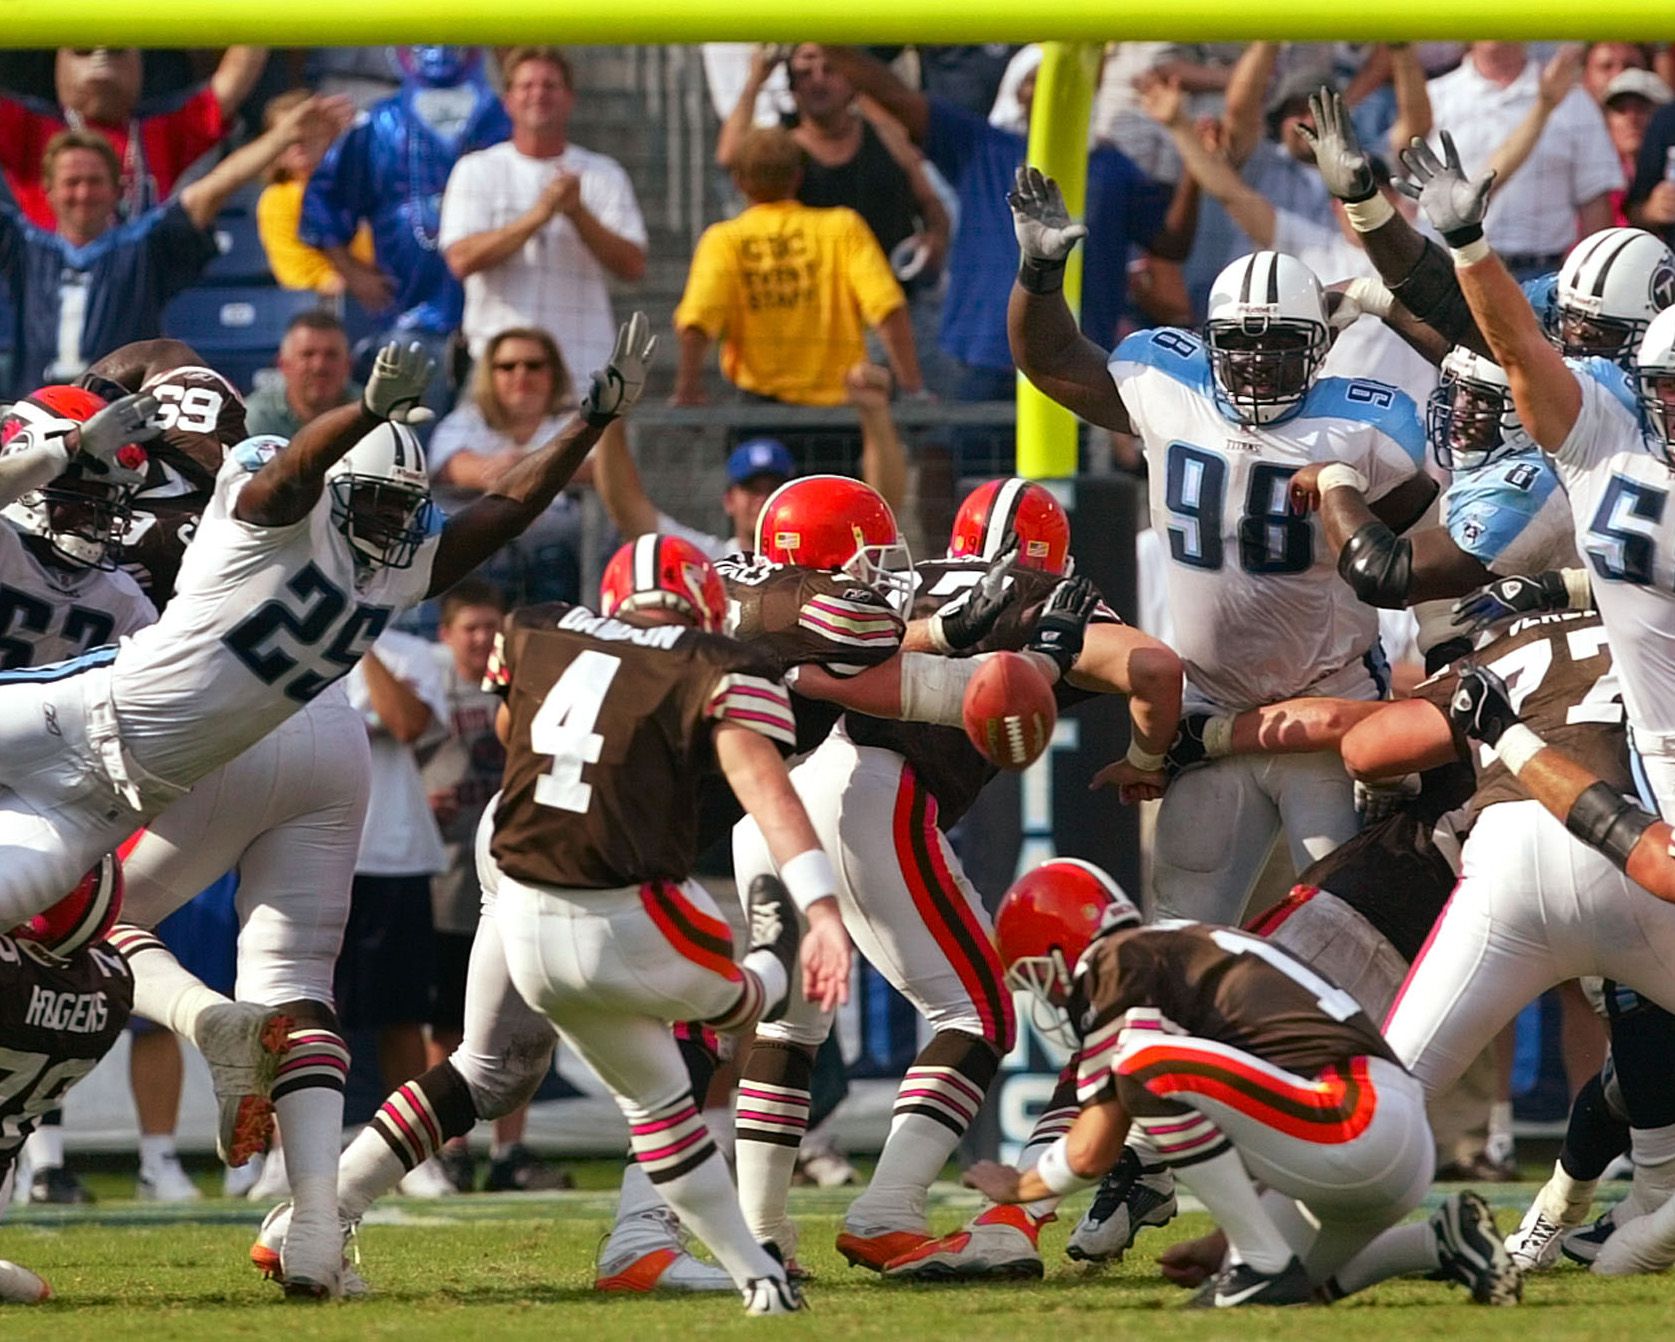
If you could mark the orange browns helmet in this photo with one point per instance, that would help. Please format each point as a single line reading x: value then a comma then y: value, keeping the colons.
x: 663, y: 572
x: 835, y: 522
x: 1001, y: 508
x: 1049, y: 917
x: 82, y: 916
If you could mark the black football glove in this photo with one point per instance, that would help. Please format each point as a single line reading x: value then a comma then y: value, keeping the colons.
x: 1186, y: 751
x: 1481, y: 706
x: 1509, y: 598
x: 1063, y: 621
x: 968, y: 619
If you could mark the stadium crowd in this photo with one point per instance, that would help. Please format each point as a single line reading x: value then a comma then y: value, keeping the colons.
x: 412, y: 235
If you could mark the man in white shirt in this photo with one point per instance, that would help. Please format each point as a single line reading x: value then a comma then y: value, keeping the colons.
x: 1563, y: 191
x: 534, y: 225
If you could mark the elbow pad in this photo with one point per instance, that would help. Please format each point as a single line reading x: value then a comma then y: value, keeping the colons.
x: 1605, y: 820
x: 1378, y: 564
x: 1431, y: 292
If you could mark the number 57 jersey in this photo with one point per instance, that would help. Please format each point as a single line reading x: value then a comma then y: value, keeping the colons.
x: 611, y: 740
x: 1259, y: 611
x: 263, y: 619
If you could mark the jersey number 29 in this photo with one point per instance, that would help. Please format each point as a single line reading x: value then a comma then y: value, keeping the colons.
x: 563, y: 728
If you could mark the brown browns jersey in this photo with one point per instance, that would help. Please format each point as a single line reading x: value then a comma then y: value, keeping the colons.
x: 58, y: 1018
x: 1558, y: 670
x: 946, y: 763
x: 611, y: 734
x: 1216, y: 984
x: 201, y: 415
x: 792, y: 616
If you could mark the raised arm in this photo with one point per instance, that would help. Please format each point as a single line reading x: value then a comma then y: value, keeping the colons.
x: 1161, y: 100
x: 236, y: 75
x: 935, y: 226
x: 1544, y: 390
x: 743, y: 116
x: 871, y: 77
x: 1413, y: 97
x: 1558, y: 77
x: 1047, y: 345
x: 324, y: 117
x: 1247, y: 90
x: 525, y: 491
x: 286, y: 489
x: 883, y: 458
x: 616, y: 479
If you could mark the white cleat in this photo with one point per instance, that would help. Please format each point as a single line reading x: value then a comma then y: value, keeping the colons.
x: 166, y: 1181
x: 999, y: 1244
x: 772, y: 1295
x: 648, y: 1252
x: 243, y: 1044
x: 294, y: 1268
x: 427, y: 1180
x: 20, y: 1286
x: 1560, y: 1206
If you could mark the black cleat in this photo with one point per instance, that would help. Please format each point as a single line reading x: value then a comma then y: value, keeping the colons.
x: 1242, y: 1284
x: 775, y: 927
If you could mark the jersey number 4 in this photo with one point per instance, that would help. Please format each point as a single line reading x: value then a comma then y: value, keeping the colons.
x: 563, y: 728
x: 1270, y: 538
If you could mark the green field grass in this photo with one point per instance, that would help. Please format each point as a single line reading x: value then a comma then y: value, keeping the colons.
x: 479, y: 1267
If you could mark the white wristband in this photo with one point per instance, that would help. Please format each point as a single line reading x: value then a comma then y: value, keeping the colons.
x: 1518, y: 746
x: 1218, y: 737
x: 1473, y: 252
x: 1054, y: 1170
x: 1143, y: 759
x: 1371, y: 296
x: 1366, y: 215
x: 1579, y: 586
x: 939, y: 639
x: 1340, y: 475
x: 809, y: 877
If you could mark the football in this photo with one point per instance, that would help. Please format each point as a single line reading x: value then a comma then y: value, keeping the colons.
x: 1009, y: 711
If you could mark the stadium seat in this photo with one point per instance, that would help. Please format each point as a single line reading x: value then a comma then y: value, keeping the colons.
x: 236, y: 328
x: 242, y: 259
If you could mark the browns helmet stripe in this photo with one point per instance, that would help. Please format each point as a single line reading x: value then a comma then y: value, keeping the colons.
x: 93, y: 914
x: 1003, y: 513
x: 645, y: 563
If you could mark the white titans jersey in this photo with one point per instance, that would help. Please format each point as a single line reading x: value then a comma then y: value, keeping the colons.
x: 50, y: 614
x: 1619, y: 489
x: 262, y: 620
x: 1259, y: 611
x: 1512, y: 515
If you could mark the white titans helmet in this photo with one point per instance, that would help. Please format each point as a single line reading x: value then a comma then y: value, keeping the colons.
x: 1610, y: 287
x: 381, y: 496
x: 1267, y: 334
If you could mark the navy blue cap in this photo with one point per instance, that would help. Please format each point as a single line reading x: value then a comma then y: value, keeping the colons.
x: 759, y: 456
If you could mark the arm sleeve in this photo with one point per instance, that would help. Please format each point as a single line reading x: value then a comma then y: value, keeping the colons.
x: 19, y: 140
x: 609, y: 194
x: 756, y: 702
x: 178, y: 248
x: 336, y: 197
x: 875, y: 286
x: 710, y: 283
x: 462, y: 199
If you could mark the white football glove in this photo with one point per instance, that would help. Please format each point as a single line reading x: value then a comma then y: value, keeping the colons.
x: 398, y: 381
x: 1040, y: 218
x: 617, y: 386
x: 109, y: 442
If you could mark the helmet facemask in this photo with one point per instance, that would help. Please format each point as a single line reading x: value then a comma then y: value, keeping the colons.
x: 82, y: 520
x: 888, y: 570
x: 384, y: 521
x: 1656, y: 388
x: 1580, y: 335
x: 1264, y: 366
x: 1470, y: 423
x: 1046, y: 978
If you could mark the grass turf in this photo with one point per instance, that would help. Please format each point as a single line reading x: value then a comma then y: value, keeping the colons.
x: 506, y: 1266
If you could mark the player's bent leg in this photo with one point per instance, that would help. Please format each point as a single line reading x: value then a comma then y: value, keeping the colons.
x: 1316, y: 800
x: 1215, y: 828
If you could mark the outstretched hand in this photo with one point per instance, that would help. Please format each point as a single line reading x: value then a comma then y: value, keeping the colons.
x: 1040, y: 218
x: 618, y: 385
x: 1454, y: 204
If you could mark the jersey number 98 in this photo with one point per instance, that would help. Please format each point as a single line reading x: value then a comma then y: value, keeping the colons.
x: 1270, y: 538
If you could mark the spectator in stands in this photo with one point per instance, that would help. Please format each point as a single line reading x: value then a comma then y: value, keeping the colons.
x: 460, y: 775
x: 1631, y: 99
x: 536, y: 227
x: 850, y: 159
x: 1124, y: 210
x: 96, y: 284
x: 294, y: 263
x: 1650, y: 202
x: 384, y: 972
x: 1563, y: 191
x: 98, y: 90
x: 520, y: 391
x: 788, y: 291
x: 390, y: 171
x: 313, y: 377
x: 1604, y: 61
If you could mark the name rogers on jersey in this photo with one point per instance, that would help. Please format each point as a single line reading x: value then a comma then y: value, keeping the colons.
x: 73, y: 1013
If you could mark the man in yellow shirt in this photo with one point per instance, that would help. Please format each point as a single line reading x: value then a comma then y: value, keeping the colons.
x: 789, y: 291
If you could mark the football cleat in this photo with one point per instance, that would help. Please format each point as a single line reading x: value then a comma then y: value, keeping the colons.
x: 457, y: 1163
x: 54, y: 1183
x: 648, y: 1252
x: 20, y: 1286
x: 1534, y: 1245
x: 773, y: 1295
x: 774, y: 928
x: 1470, y: 1252
x: 999, y: 1244
x: 1241, y: 1284
x: 1130, y: 1198
x: 166, y: 1181
x: 877, y: 1251
x: 242, y: 1043
x: 520, y: 1170
x: 308, y: 1282
x: 822, y: 1165
x: 427, y: 1179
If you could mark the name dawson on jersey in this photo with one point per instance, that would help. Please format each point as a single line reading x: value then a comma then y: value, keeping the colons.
x: 580, y: 621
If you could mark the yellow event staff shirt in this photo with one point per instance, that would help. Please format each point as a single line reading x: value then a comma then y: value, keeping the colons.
x: 789, y: 291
